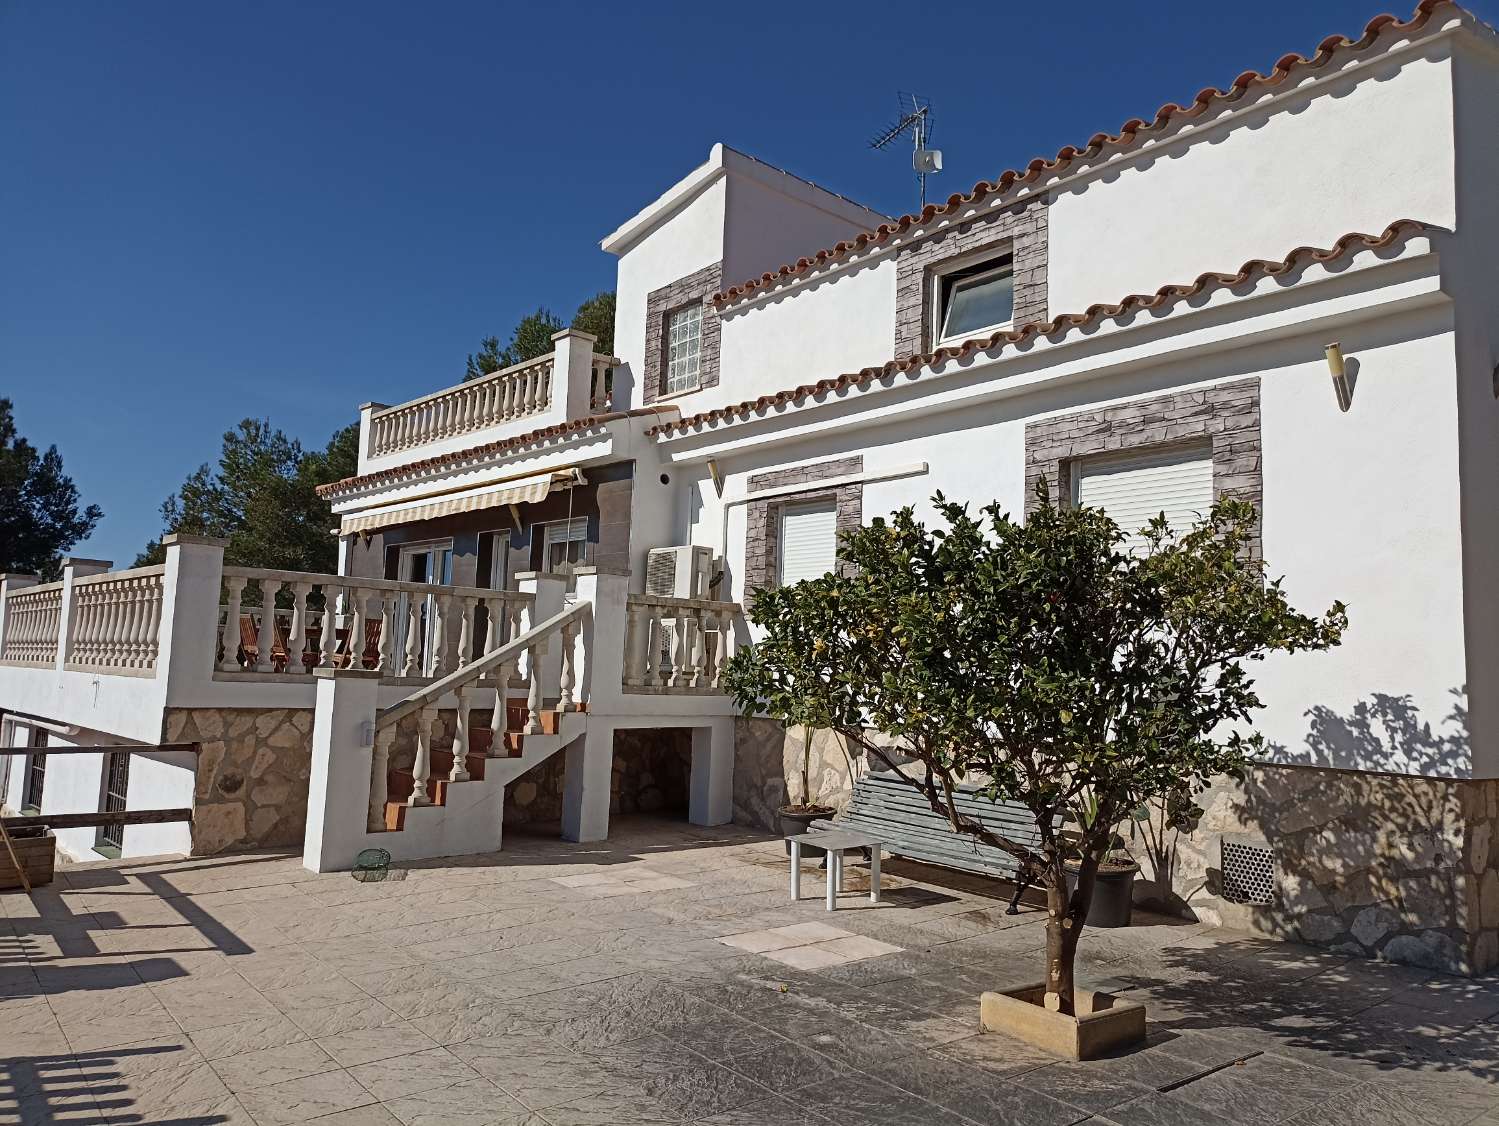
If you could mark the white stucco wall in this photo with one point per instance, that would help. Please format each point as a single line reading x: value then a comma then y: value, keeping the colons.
x: 688, y: 240
x: 838, y: 325
x: 1362, y: 506
x: 1329, y: 158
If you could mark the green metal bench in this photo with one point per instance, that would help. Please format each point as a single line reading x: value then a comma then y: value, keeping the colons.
x: 895, y: 812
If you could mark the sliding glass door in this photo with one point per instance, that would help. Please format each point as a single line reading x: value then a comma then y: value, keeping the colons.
x: 422, y: 563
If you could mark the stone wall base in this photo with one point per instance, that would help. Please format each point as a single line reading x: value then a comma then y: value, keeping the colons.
x: 1399, y: 868
x: 768, y: 771
x: 250, y: 789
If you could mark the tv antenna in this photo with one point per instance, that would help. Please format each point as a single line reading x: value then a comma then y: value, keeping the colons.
x: 916, y: 121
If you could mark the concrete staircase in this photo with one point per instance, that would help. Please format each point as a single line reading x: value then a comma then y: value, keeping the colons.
x: 490, y: 765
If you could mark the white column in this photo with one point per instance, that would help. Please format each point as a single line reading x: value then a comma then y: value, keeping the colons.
x: 572, y: 372
x: 589, y: 767
x: 601, y: 679
x: 338, y: 791
x: 711, y: 794
x: 189, y: 633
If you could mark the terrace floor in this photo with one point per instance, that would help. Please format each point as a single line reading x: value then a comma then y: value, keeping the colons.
x: 564, y: 985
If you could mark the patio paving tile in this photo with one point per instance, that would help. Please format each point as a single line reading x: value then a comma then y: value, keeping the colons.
x: 489, y: 992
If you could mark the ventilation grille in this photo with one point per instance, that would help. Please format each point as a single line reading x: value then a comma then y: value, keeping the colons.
x: 1248, y: 873
x: 661, y: 572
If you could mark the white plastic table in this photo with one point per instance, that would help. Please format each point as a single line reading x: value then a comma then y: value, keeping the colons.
x: 835, y: 841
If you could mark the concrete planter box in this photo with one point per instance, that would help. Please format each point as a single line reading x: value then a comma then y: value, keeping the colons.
x: 1103, y: 1022
x: 36, y: 851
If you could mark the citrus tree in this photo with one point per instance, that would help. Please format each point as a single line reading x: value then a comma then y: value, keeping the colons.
x: 1041, y: 660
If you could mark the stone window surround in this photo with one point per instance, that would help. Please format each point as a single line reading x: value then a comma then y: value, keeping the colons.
x: 1226, y: 415
x: 660, y: 303
x: 1019, y: 230
x: 763, y: 517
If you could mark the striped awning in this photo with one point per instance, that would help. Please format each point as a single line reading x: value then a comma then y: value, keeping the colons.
x: 519, y: 491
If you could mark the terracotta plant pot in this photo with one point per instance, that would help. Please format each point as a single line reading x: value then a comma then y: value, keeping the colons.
x: 1102, y: 1024
x: 1113, y: 894
x: 794, y: 822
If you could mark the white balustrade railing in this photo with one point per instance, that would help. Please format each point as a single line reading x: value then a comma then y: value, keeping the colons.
x: 116, y: 621
x: 397, y: 628
x: 601, y: 390
x: 504, y: 666
x: 33, y: 619
x: 677, y: 645
x: 512, y: 392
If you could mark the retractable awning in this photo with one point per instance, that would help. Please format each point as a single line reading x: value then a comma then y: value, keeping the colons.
x: 518, y: 491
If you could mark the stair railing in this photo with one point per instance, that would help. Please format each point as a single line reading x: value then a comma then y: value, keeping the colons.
x: 521, y: 657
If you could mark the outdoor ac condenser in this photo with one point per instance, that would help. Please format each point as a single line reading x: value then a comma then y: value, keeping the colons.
x: 679, y: 572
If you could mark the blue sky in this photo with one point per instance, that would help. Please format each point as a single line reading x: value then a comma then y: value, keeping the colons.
x: 282, y: 209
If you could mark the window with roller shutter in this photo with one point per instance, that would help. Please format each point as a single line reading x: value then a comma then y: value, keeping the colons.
x: 808, y: 541
x: 1134, y: 488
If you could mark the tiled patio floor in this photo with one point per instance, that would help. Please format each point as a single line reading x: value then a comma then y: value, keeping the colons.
x: 564, y: 985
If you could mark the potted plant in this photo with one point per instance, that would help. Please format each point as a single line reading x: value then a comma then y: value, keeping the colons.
x: 1076, y: 678
x: 797, y: 817
x: 1113, y: 885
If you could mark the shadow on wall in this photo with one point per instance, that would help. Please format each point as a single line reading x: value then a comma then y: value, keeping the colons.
x: 1389, y: 865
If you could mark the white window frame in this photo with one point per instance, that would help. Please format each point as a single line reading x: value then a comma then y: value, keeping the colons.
x: 1003, y: 264
x: 427, y: 614
x: 785, y: 510
x: 565, y: 531
x: 682, y: 372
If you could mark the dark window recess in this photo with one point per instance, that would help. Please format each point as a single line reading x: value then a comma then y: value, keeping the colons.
x: 116, y: 783
x: 36, y: 772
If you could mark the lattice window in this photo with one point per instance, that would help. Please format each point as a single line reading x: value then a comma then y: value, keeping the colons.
x: 1248, y: 873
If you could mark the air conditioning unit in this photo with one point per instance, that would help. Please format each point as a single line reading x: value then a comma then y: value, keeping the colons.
x: 679, y: 572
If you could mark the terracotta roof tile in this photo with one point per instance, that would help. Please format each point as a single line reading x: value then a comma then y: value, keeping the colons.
x: 1286, y: 65
x: 532, y: 437
x: 1255, y: 268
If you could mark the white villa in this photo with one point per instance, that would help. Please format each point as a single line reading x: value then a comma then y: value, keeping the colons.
x: 1147, y: 320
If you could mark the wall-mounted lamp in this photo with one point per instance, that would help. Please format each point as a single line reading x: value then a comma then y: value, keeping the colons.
x: 1339, y: 369
x: 716, y: 475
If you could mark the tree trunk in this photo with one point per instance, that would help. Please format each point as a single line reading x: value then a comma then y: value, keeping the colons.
x: 1064, y: 926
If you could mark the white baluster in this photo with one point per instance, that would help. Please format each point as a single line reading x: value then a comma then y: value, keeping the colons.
x: 388, y: 660
x: 153, y: 623
x: 679, y: 670
x: 266, y: 639
x: 566, y: 701
x: 635, y: 629
x: 534, y: 697
x: 328, y: 640
x: 466, y: 610
x: 421, y: 769
x: 296, y: 633
x: 461, y: 729
x: 411, y: 666
x: 698, y: 672
x: 442, y: 605
x: 653, y: 646
x: 229, y: 662
x: 498, y: 720
x: 356, y: 601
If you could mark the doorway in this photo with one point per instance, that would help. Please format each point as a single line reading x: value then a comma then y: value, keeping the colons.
x: 430, y: 563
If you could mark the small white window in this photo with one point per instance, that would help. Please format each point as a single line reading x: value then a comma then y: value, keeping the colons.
x: 1134, y: 489
x: 565, y: 546
x: 808, y: 541
x: 684, y: 343
x: 975, y: 298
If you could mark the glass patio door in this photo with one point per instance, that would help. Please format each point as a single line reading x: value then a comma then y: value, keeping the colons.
x: 422, y: 563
